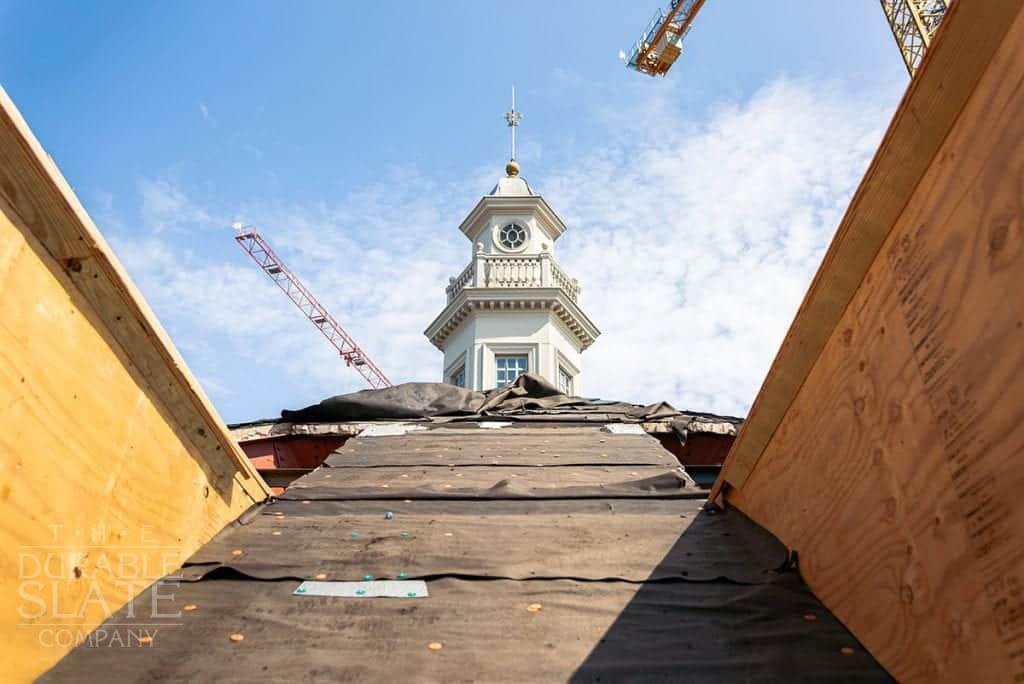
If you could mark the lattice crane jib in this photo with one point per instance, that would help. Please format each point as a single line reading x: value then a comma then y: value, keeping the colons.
x: 270, y: 263
x: 662, y: 40
x: 913, y: 24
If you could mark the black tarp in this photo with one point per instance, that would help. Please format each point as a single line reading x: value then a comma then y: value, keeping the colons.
x: 490, y: 471
x: 465, y: 446
x: 515, y: 482
x: 528, y: 394
x: 581, y: 539
x: 651, y: 588
x: 713, y: 632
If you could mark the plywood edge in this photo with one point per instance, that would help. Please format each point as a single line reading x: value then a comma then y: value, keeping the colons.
x: 32, y: 185
x: 967, y: 40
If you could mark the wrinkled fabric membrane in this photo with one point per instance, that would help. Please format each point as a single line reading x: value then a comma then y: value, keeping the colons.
x: 551, y: 553
x: 529, y: 393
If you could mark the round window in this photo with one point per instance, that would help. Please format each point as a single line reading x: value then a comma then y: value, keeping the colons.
x: 512, y: 236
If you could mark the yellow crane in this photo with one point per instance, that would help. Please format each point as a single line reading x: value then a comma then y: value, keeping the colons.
x: 913, y: 24
x: 662, y: 40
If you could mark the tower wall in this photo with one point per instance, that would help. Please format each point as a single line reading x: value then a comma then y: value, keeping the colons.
x: 537, y: 334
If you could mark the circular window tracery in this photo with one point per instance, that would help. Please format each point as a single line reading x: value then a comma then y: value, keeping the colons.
x: 512, y: 236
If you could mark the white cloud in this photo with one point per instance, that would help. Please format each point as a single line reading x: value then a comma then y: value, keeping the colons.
x: 207, y: 117
x: 693, y: 243
x: 166, y: 207
x: 695, y: 246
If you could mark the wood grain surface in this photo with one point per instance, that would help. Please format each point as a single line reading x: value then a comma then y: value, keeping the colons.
x: 113, y: 468
x: 969, y: 36
x: 896, y: 472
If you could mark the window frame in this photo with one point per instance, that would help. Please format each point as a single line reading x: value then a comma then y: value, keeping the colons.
x: 499, y: 224
x: 520, y: 235
x: 569, y: 381
x: 562, y: 362
x: 498, y: 370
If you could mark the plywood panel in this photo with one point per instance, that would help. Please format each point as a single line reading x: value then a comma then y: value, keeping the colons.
x: 932, y: 103
x: 896, y: 471
x: 112, y: 470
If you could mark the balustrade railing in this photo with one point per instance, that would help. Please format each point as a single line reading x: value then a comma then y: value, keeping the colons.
x: 499, y: 271
x: 456, y: 284
x: 570, y: 285
x: 513, y: 272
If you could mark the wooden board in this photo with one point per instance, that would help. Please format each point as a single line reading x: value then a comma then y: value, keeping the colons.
x: 932, y: 103
x: 113, y: 465
x: 895, y: 471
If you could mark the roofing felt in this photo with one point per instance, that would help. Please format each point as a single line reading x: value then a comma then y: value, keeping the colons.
x: 553, y: 587
x: 519, y: 540
x: 568, y: 445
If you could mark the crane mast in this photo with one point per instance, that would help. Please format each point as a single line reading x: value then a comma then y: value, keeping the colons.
x: 256, y: 247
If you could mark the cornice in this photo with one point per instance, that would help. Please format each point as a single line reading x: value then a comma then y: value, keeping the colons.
x: 490, y: 205
x: 473, y: 299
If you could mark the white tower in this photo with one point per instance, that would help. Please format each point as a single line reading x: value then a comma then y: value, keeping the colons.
x: 512, y: 310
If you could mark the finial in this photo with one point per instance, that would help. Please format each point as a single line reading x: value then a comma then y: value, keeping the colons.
x: 512, y: 168
x: 512, y: 118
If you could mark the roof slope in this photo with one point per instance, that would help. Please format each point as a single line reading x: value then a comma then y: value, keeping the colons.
x: 601, y: 534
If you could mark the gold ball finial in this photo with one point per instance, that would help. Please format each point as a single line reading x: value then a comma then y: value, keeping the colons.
x: 512, y: 168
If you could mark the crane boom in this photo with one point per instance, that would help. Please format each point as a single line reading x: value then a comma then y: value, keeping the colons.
x: 271, y: 264
x: 662, y: 41
x: 913, y: 24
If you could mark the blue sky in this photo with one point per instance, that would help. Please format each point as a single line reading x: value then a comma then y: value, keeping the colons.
x: 358, y: 135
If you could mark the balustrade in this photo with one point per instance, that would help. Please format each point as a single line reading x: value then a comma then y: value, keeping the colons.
x: 513, y: 272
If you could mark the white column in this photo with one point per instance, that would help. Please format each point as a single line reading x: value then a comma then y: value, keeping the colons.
x: 545, y: 270
x: 479, y: 266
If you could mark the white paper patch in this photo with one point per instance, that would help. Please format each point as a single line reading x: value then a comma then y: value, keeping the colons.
x: 624, y: 429
x: 390, y: 430
x: 373, y: 589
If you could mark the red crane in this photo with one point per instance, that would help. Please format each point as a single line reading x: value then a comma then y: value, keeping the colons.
x: 257, y: 248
